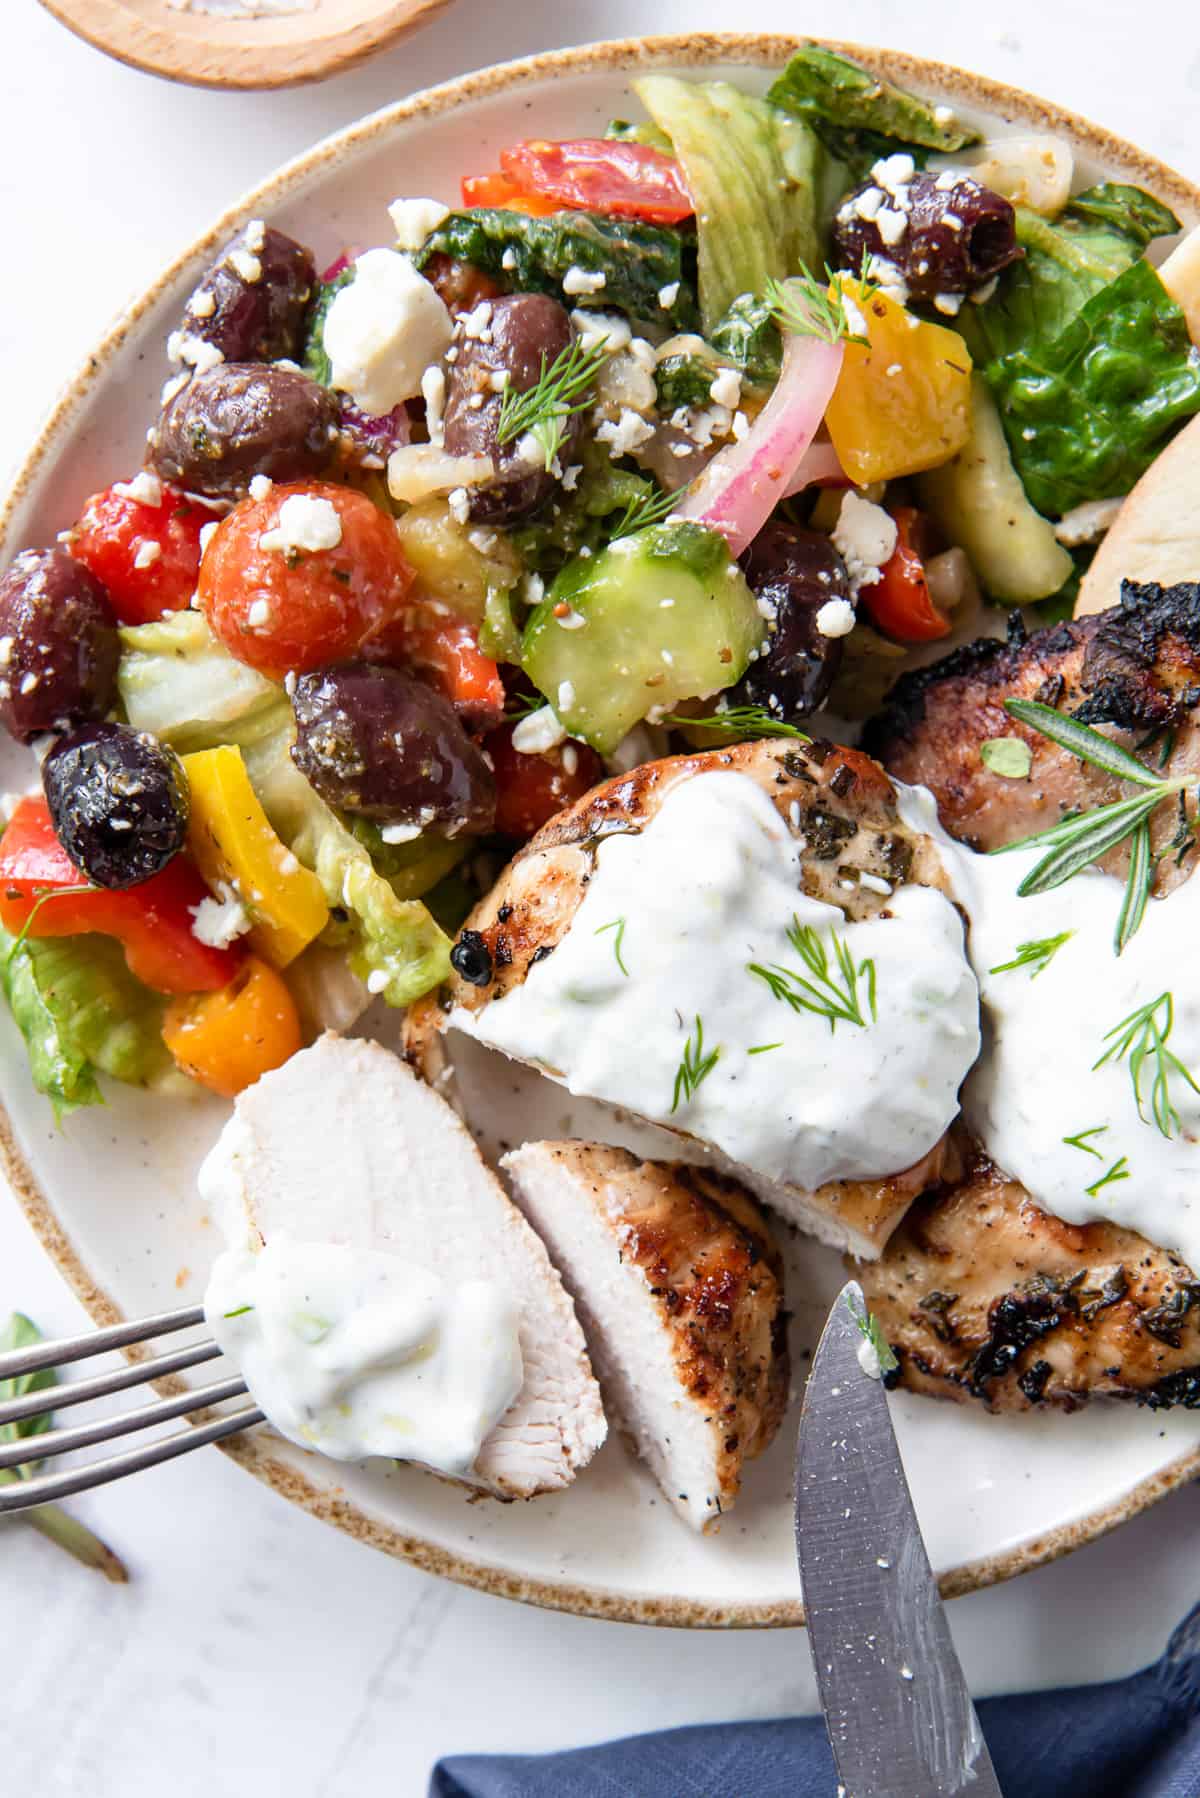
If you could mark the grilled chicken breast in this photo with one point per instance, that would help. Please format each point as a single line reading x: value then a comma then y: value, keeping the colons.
x: 984, y: 1296
x: 344, y: 1144
x: 1136, y: 668
x: 680, y: 1291
x: 842, y: 808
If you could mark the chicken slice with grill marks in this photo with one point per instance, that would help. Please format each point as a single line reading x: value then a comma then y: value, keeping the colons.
x: 842, y: 807
x: 679, y: 1288
x: 1135, y: 668
x: 984, y: 1296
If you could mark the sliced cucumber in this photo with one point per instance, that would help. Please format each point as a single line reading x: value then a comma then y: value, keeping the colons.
x: 666, y: 616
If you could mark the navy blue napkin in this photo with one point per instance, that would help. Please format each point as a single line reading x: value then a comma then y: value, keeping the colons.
x: 1134, y: 1738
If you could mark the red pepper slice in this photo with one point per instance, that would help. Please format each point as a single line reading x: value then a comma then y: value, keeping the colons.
x: 600, y: 174
x: 496, y: 190
x: 899, y: 601
x: 152, y: 921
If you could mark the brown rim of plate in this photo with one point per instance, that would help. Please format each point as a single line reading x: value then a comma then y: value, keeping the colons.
x: 693, y: 51
x: 210, y: 50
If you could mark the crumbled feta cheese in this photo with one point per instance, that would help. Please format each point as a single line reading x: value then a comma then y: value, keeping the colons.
x: 726, y: 389
x: 433, y: 391
x: 891, y: 224
x: 569, y: 620
x: 947, y: 180
x: 459, y: 502
x: 289, y: 682
x: 644, y: 354
x: 484, y: 541
x: 607, y: 328
x: 949, y: 303
x: 624, y: 434
x: 836, y: 618
x: 146, y: 488
x: 893, y: 173
x: 415, y: 220
x: 377, y: 981
x: 865, y: 536
x: 383, y: 331
x: 219, y: 922
x: 175, y: 385
x: 571, y: 476
x: 943, y: 116
x: 416, y: 470
x: 400, y: 833
x: 894, y: 368
x: 6, y: 649
x: 1088, y: 522
x: 538, y: 732
x: 304, y: 523
x: 148, y: 552
x: 889, y: 279
x: 203, y: 303
x: 570, y: 758
x: 244, y: 264
x: 535, y: 589
x: 712, y: 421
x: 626, y: 380
x: 260, y: 486
x: 477, y: 323
x: 866, y: 205
x: 28, y: 683
x: 258, y: 615
x: 255, y: 236
x: 740, y: 427
x: 197, y: 352
x: 582, y: 280
x: 508, y: 261
x: 668, y: 295
x: 566, y: 695
x: 207, y: 533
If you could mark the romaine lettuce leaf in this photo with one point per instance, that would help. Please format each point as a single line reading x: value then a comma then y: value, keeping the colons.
x: 177, y: 681
x: 752, y: 172
x: 748, y: 336
x: 858, y: 116
x: 313, y: 358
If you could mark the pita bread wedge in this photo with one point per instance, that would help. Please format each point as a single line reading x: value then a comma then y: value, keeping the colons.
x: 1156, y: 535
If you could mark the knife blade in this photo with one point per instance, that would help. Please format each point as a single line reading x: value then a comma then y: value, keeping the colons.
x: 900, y: 1719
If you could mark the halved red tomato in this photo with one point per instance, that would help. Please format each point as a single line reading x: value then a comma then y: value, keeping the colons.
x: 600, y: 174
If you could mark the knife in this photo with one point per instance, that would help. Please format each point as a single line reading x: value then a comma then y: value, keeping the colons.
x: 900, y: 1719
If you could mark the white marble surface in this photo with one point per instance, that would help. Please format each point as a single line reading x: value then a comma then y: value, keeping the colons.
x: 256, y: 1650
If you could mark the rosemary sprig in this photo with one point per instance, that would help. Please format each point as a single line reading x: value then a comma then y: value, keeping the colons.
x: 560, y: 391
x: 1036, y: 955
x: 872, y: 1331
x: 640, y: 514
x: 1083, y: 838
x: 695, y: 1066
x: 806, y: 307
x: 617, y: 924
x: 821, y: 994
x: 1142, y: 1037
x: 740, y: 722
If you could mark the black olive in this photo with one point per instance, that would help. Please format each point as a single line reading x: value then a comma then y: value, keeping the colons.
x: 118, y: 801
x: 58, y: 644
x: 955, y: 234
x: 794, y: 573
x: 471, y: 958
x: 251, y: 304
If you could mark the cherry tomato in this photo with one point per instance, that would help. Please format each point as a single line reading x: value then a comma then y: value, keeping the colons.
x: 600, y: 174
x: 498, y: 191
x: 432, y: 641
x: 281, y: 608
x: 148, y: 556
x: 43, y: 892
x: 899, y: 602
x: 229, y: 1039
x: 530, y: 789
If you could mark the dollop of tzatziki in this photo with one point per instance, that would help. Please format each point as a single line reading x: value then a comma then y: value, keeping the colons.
x: 699, y: 986
x: 1088, y: 1087
x: 354, y: 1352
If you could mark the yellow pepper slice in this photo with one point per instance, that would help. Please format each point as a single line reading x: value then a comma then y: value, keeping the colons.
x: 903, y: 403
x: 231, y: 840
x: 229, y: 1039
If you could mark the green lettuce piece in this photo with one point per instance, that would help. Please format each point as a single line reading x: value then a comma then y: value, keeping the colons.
x: 859, y: 117
x: 752, y: 173
x: 640, y: 131
x: 748, y: 337
x: 178, y: 682
x: 82, y: 1013
x: 575, y: 522
x: 1086, y: 413
x: 532, y: 255
x: 313, y: 358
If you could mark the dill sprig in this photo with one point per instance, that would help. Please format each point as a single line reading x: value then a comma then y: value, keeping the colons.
x: 1083, y: 838
x: 1036, y: 955
x: 1118, y: 1171
x: 640, y: 514
x: 617, y: 924
x: 43, y: 896
x: 560, y: 391
x: 872, y: 1331
x: 1080, y: 1140
x: 738, y: 722
x: 695, y: 1066
x: 822, y: 994
x: 805, y: 307
x: 1142, y: 1038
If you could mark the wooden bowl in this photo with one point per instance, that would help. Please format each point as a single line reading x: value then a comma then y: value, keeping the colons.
x: 272, y: 43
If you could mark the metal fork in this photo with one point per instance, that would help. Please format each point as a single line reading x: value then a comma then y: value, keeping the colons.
x: 45, y: 1487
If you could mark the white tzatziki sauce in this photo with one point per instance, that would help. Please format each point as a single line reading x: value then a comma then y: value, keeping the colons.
x: 354, y: 1352
x: 650, y: 1001
x: 1054, y: 1099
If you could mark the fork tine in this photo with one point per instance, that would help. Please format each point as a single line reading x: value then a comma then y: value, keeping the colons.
x: 47, y: 1488
x: 95, y: 1342
x: 77, y: 1392
x: 103, y: 1429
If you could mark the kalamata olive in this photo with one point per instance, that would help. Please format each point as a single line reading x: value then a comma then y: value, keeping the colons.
x: 240, y: 419
x: 945, y: 233
x: 118, y: 801
x: 379, y: 743
x: 794, y: 573
x: 58, y: 644
x: 251, y: 304
x: 460, y: 285
x: 523, y: 334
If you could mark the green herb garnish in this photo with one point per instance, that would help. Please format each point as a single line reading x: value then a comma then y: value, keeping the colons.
x: 560, y: 391
x: 640, y: 514
x: 1036, y: 955
x: 740, y: 721
x: 695, y: 1067
x: 872, y: 1331
x: 1010, y: 757
x: 1143, y: 1038
x: 617, y: 924
x: 763, y: 1048
x: 1118, y: 1171
x: 1079, y: 1140
x: 821, y: 994
x: 240, y: 1312
x: 805, y: 307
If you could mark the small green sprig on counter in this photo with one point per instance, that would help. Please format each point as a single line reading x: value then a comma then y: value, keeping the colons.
x: 49, y: 1520
x: 1035, y: 955
x: 1143, y: 1038
x: 740, y: 722
x: 872, y: 1332
x: 822, y: 994
x: 562, y: 388
x: 1082, y: 838
x: 695, y: 1067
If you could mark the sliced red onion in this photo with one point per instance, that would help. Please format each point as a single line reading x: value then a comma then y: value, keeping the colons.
x: 373, y: 434
x: 744, y: 482
x: 819, y: 467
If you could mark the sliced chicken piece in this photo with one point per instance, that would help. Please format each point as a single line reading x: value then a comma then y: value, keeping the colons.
x: 986, y: 1297
x: 843, y: 808
x: 680, y: 1289
x: 344, y: 1144
x: 1136, y: 668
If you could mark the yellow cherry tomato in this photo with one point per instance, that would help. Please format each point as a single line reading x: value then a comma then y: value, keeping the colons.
x: 226, y: 1040
x: 903, y: 402
x: 232, y: 843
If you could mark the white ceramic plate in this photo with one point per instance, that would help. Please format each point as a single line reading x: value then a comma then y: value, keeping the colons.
x: 113, y: 1193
